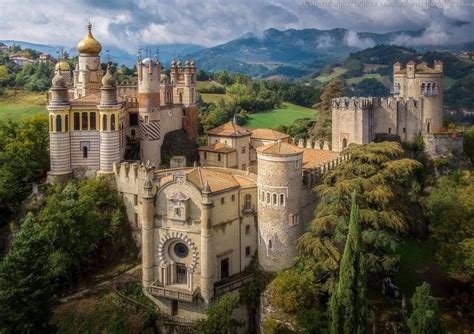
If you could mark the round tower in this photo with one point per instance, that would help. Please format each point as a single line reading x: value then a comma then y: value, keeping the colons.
x: 59, y: 140
x: 149, y: 74
x: 431, y: 88
x: 280, y: 187
x: 109, y: 112
x: 148, y: 240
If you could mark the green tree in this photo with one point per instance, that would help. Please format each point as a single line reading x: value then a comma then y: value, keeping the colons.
x: 450, y: 210
x: 381, y: 174
x: 322, y: 127
x: 469, y: 143
x: 425, y: 317
x: 26, y: 290
x: 348, y: 305
x: 219, y: 318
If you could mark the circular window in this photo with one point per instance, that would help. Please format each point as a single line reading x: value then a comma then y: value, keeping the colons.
x: 181, y: 250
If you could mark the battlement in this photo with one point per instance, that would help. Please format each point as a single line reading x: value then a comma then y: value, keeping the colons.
x: 353, y: 102
x: 394, y: 102
x: 422, y: 68
x: 130, y: 176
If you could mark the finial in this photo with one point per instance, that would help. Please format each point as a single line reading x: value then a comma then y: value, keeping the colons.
x: 89, y: 26
x: 157, y: 53
x: 206, y: 188
x: 139, y: 53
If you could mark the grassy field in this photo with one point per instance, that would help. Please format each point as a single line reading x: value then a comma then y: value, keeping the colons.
x: 336, y: 71
x: 285, y: 115
x: 448, y: 82
x: 18, y: 104
x: 214, y: 97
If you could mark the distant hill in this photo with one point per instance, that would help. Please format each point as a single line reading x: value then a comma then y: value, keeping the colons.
x: 167, y: 51
x: 294, y: 53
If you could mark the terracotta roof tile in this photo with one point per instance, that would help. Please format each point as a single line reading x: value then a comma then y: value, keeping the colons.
x: 86, y: 100
x: 280, y: 148
x: 313, y: 157
x: 268, y: 134
x: 217, y: 147
x: 229, y: 129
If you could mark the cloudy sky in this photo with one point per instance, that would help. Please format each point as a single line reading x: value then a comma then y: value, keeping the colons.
x: 129, y: 23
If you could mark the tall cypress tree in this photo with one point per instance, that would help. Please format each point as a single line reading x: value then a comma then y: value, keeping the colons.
x: 348, y: 305
x: 425, y: 318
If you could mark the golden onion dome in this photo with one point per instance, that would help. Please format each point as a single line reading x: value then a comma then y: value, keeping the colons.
x: 62, y: 66
x: 89, y: 45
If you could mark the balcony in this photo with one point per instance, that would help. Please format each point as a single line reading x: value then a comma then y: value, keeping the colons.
x: 432, y: 92
x: 173, y: 292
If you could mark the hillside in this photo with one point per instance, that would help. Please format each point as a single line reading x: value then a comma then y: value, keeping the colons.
x: 18, y: 104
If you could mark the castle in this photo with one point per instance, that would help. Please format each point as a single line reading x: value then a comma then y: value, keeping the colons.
x: 250, y: 197
x: 415, y: 109
x: 92, y: 118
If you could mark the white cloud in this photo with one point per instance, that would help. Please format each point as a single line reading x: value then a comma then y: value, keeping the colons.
x: 128, y: 23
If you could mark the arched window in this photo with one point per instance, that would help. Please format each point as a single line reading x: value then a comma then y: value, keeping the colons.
x: 247, y: 202
x: 282, y: 199
x: 51, y: 124
x: 112, y: 122
x: 84, y: 121
x: 247, y: 230
x: 247, y: 251
x: 423, y: 88
x: 77, y: 121
x: 389, y: 130
x: 58, y: 124
x: 180, y: 97
x: 168, y: 97
x: 93, y: 121
x: 66, y: 123
x: 104, y: 123
x: 274, y: 199
x: 344, y: 143
x: 433, y: 88
x: 268, y: 198
x: 428, y: 127
x: 84, y: 151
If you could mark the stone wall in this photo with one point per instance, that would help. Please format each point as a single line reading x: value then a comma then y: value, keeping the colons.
x: 443, y: 144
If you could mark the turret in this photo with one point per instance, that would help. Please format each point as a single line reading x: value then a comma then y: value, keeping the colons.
x: 109, y: 113
x: 59, y: 139
x: 88, y: 74
x: 280, y: 189
x: 149, y: 109
x: 207, y: 265
x: 148, y: 240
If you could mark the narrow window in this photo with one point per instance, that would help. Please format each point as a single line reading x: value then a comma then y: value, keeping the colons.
x: 180, y: 97
x: 428, y: 127
x: 404, y: 130
x: 133, y: 133
x: 218, y: 157
x: 84, y: 152
x: 104, y: 123
x: 93, y: 121
x: 133, y: 119
x: 51, y: 123
x: 269, y: 244
x: 58, y: 124
x: 247, y: 202
x: 274, y: 199
x: 112, y: 122
x: 205, y: 155
x: 76, y: 121
x: 268, y: 198
x: 344, y: 143
x: 247, y: 251
x: 174, y: 307
x: 84, y: 121
x: 282, y: 199
x: 135, y: 199
x: 232, y: 198
x: 66, y: 123
x: 247, y: 230
x: 222, y: 200
x: 389, y: 130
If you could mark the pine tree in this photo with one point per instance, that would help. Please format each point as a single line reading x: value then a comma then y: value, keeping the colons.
x: 348, y: 305
x: 425, y: 318
x: 322, y: 127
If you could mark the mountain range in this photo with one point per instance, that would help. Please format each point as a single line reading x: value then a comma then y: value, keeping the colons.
x: 274, y: 53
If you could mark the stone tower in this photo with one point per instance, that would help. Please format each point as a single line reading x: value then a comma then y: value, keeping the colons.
x: 280, y: 189
x: 109, y: 113
x: 421, y: 81
x: 184, y: 80
x: 59, y: 140
x: 149, y: 74
x: 88, y: 73
x: 148, y: 239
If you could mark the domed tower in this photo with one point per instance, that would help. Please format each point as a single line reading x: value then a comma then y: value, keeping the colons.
x: 59, y: 140
x: 149, y: 74
x: 109, y: 112
x: 64, y: 69
x: 280, y: 187
x: 88, y: 75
